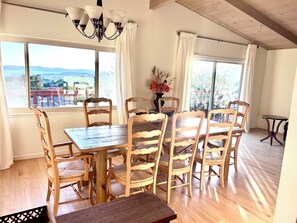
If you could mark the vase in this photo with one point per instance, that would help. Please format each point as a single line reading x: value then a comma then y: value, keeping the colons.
x: 158, y: 95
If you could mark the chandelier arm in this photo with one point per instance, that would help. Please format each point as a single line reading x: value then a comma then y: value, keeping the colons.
x: 92, y: 36
x: 116, y: 33
x: 113, y: 37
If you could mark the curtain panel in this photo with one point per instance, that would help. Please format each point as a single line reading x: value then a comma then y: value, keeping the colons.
x: 247, y: 79
x: 125, y: 68
x: 183, y: 68
x: 6, y: 150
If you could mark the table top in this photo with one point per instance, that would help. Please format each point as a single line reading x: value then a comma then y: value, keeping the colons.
x: 274, y: 117
x: 98, y: 138
x: 143, y: 207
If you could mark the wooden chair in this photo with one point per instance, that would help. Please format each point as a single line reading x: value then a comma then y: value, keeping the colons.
x: 242, y: 109
x: 168, y: 105
x: 95, y: 110
x: 145, y: 137
x: 139, y: 106
x: 215, y: 156
x: 185, y: 132
x: 70, y: 170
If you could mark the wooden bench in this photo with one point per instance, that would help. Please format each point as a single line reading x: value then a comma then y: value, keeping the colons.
x: 143, y: 207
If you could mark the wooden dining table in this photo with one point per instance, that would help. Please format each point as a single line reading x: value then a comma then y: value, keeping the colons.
x: 100, y: 139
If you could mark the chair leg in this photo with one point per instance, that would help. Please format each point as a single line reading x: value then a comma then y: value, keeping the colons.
x: 222, y: 180
x: 202, y: 176
x: 235, y: 159
x: 79, y: 185
x: 168, y: 188
x: 209, y: 171
x: 91, y: 185
x: 190, y: 184
x: 49, y: 186
x: 56, y: 197
x: 110, y: 162
x: 109, y: 186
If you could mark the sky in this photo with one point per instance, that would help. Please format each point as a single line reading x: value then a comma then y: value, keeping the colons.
x: 52, y: 56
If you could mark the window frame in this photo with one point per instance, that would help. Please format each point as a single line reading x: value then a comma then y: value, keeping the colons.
x: 216, y: 60
x: 27, y: 40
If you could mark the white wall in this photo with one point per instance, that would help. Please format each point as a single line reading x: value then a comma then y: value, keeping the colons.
x: 278, y: 84
x: 286, y: 208
x: 156, y: 45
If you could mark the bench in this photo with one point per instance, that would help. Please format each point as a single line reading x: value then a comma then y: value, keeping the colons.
x: 143, y: 207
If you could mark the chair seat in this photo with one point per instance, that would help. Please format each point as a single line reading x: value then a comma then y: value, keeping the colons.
x: 215, y: 156
x: 216, y: 143
x: 69, y: 169
x: 177, y: 164
x: 137, y: 176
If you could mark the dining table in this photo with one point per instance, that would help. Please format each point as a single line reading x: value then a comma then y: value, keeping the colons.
x: 100, y: 139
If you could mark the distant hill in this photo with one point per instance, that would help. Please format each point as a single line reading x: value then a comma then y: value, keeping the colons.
x: 10, y: 70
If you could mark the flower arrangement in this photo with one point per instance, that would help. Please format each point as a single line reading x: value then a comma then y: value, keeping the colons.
x: 160, y: 83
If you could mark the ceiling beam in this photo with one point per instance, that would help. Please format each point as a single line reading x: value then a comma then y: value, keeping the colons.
x: 154, y: 4
x: 249, y: 10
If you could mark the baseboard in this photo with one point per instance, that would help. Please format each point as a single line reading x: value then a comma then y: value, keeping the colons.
x: 38, y: 155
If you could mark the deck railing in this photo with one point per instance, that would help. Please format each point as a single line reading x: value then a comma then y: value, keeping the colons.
x: 56, y: 97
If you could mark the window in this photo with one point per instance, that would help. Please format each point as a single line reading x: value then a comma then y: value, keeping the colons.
x: 107, y: 77
x: 13, y: 67
x: 58, y: 76
x: 214, y: 84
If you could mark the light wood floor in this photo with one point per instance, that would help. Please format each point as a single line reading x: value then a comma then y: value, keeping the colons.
x: 249, y: 196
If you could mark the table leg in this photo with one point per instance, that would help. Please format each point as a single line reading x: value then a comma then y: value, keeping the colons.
x: 275, y: 133
x: 268, y: 130
x: 101, y: 170
x: 272, y: 132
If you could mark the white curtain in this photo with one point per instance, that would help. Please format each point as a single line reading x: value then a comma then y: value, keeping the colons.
x: 247, y: 80
x: 183, y: 67
x: 125, y: 70
x: 6, y: 151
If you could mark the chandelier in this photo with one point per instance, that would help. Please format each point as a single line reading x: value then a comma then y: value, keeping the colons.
x: 80, y: 18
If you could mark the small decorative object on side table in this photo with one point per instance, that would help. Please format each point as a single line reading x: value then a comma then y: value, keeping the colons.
x: 159, y: 84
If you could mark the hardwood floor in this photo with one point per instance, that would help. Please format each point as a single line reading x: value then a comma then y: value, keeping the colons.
x: 249, y: 196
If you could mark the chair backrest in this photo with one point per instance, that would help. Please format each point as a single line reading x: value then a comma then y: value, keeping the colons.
x: 137, y: 105
x: 171, y: 104
x: 242, y: 109
x: 145, y: 137
x: 185, y: 133
x: 93, y: 114
x: 223, y: 134
x: 45, y: 137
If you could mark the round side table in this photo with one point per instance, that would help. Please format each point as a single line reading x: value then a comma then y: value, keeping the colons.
x: 271, y: 133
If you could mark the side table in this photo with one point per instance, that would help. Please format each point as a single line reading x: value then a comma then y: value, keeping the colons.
x: 271, y: 133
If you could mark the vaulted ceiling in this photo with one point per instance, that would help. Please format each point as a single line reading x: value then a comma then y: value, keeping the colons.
x: 271, y: 24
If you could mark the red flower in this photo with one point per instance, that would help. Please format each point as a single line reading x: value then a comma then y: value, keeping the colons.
x: 159, y: 82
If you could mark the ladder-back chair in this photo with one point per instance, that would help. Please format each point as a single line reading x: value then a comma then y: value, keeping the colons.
x: 168, y: 105
x: 215, y: 155
x: 137, y: 105
x: 185, y: 133
x: 98, y: 112
x: 242, y: 109
x: 145, y: 137
x: 69, y: 170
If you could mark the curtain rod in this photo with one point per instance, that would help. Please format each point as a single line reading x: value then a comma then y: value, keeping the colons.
x: 43, y: 9
x: 213, y: 39
x: 36, y: 8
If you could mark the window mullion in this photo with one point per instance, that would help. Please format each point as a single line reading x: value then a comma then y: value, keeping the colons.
x: 97, y: 73
x: 27, y: 70
x: 214, y: 73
